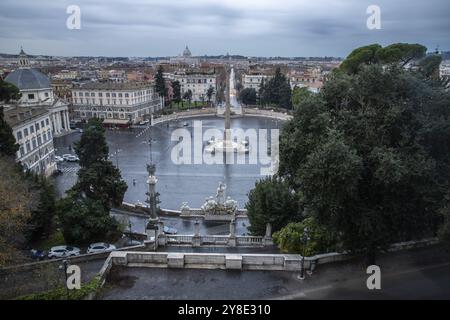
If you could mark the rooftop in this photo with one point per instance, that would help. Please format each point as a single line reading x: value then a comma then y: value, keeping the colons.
x: 115, y: 86
x: 26, y: 79
x: 17, y: 115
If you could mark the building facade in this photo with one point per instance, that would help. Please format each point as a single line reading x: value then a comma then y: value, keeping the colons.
x: 37, y: 93
x: 253, y: 81
x: 198, y: 83
x: 33, y: 132
x: 116, y: 103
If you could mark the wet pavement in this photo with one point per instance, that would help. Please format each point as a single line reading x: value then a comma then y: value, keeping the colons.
x: 176, y: 183
x: 422, y: 273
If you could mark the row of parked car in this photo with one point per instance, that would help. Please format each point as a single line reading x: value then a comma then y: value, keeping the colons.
x: 67, y: 157
x: 69, y: 251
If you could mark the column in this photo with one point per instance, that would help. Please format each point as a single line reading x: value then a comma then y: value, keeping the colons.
x: 196, y: 240
x: 232, y: 237
x: 68, y: 120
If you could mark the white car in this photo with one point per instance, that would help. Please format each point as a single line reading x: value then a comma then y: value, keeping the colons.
x: 66, y: 156
x: 63, y: 251
x: 59, y: 159
x: 100, y: 247
x: 170, y: 230
x: 73, y: 158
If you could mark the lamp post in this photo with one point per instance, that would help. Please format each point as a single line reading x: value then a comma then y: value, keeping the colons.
x: 131, y: 234
x: 64, y: 268
x: 305, y: 239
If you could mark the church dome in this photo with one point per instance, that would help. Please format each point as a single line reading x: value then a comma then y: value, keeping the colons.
x: 187, y: 52
x: 28, y: 79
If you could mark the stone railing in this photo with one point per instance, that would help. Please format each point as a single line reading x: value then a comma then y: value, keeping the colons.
x: 184, y: 115
x: 214, y: 240
x: 249, y: 240
x: 266, y: 113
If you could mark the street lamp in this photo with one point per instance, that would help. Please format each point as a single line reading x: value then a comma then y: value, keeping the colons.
x: 305, y: 239
x: 131, y: 234
x: 64, y: 268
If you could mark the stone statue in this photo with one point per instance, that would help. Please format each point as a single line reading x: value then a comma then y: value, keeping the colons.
x: 220, y: 195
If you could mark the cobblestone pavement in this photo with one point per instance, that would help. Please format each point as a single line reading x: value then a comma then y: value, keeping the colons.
x: 176, y: 183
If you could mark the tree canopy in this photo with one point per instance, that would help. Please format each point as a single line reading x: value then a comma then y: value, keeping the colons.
x: 8, y: 92
x: 370, y: 154
x: 276, y: 91
x: 271, y: 201
x: 8, y: 145
x: 248, y: 96
x: 84, y: 213
x: 397, y: 53
x: 160, y: 83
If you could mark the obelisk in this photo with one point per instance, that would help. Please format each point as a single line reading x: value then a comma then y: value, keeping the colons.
x: 227, y: 133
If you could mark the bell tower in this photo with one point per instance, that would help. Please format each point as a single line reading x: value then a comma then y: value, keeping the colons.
x: 23, y: 59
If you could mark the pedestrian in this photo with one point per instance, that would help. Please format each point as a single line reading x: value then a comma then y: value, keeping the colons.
x: 134, y: 182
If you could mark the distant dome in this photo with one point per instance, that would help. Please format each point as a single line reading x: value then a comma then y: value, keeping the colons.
x: 187, y: 52
x: 26, y: 79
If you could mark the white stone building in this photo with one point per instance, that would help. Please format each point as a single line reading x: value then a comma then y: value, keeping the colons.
x: 253, y: 81
x: 37, y: 93
x: 33, y: 132
x: 198, y: 83
x: 117, y: 103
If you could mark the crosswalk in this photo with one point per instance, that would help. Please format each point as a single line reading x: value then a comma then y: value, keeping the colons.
x: 69, y: 169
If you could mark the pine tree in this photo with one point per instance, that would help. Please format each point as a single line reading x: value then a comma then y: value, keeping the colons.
x: 8, y: 145
x: 160, y: 84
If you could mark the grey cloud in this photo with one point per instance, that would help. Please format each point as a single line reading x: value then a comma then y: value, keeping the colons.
x: 284, y: 27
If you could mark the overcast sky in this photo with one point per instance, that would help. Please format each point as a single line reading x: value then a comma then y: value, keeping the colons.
x: 247, y: 27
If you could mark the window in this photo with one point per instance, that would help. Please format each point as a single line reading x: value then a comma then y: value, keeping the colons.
x: 31, y: 129
x: 25, y: 132
x: 28, y: 146
x: 126, y: 95
x: 47, y: 122
x: 34, y: 143
x: 19, y: 135
x: 120, y: 95
x: 31, y: 96
x: 37, y: 126
x: 22, y: 151
x: 92, y: 94
x: 46, y: 94
x: 107, y: 95
x: 39, y: 140
x: 100, y: 94
x: 42, y: 124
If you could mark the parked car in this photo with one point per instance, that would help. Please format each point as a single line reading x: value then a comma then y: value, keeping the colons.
x: 59, y: 159
x: 131, y: 243
x: 63, y: 251
x: 38, y: 254
x: 100, y: 247
x: 170, y: 230
x: 73, y: 159
x: 66, y: 156
x: 144, y: 122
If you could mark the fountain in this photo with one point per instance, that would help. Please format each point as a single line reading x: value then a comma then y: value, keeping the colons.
x: 227, y: 145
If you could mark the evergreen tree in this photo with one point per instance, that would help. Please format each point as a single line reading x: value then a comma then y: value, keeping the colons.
x: 370, y: 154
x: 160, y: 84
x: 84, y: 213
x: 8, y: 145
x: 176, y: 91
x: 8, y: 91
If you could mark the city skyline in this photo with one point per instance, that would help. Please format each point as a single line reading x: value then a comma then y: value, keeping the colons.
x: 265, y: 28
